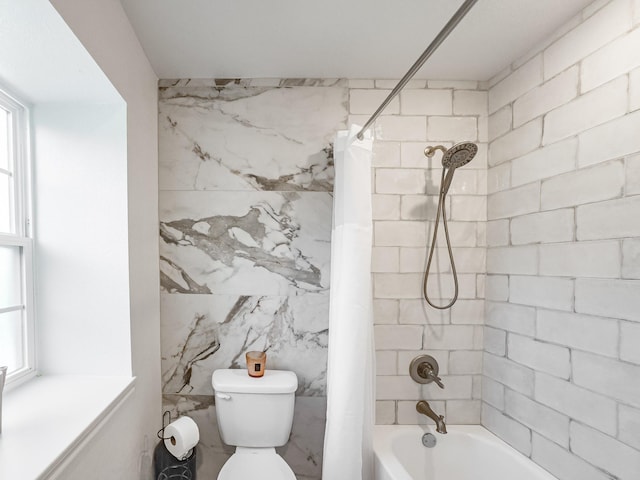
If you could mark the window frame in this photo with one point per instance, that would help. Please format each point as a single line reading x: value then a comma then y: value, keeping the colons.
x: 22, y: 235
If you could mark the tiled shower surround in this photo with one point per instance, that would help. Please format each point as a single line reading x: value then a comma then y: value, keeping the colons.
x: 550, y: 363
x: 406, y: 186
x: 562, y: 341
x: 246, y: 176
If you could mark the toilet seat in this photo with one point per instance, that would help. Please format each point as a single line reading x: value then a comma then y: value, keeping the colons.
x: 251, y: 463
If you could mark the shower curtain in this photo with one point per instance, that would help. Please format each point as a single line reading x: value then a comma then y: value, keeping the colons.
x: 348, y: 452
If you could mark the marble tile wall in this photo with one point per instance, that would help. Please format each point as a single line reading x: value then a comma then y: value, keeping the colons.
x: 246, y: 180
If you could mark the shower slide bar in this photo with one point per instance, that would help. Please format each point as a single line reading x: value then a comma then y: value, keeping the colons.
x: 444, y: 33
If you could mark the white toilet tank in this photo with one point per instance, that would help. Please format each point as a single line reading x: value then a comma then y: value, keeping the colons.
x: 254, y: 412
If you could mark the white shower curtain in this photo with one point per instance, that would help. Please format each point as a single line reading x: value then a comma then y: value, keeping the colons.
x: 348, y: 452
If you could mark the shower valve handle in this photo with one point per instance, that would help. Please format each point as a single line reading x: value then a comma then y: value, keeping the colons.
x: 438, y: 381
x: 426, y: 371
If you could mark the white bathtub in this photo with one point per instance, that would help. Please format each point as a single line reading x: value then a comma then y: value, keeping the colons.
x: 467, y: 452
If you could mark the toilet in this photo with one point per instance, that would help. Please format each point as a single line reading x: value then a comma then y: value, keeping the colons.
x: 255, y: 415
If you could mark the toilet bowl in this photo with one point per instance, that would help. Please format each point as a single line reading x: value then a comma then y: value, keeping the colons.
x: 249, y: 463
x: 255, y: 415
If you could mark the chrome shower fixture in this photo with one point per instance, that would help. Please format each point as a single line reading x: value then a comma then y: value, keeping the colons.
x: 455, y: 157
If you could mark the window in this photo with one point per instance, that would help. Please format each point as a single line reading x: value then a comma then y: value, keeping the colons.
x: 16, y: 245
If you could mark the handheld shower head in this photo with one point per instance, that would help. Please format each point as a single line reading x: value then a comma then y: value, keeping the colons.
x: 457, y: 156
x: 460, y: 154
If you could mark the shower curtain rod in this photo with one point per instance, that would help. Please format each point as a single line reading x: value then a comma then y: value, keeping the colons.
x: 444, y: 33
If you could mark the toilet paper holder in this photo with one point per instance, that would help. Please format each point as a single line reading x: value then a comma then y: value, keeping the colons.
x: 160, y: 433
x: 165, y: 463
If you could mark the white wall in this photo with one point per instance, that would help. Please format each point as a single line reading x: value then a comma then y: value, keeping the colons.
x: 80, y: 170
x: 105, y: 32
x: 561, y: 360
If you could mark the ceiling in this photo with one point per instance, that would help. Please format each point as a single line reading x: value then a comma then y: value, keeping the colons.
x: 338, y: 38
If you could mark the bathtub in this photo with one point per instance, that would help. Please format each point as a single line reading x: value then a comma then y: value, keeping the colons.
x: 467, y: 452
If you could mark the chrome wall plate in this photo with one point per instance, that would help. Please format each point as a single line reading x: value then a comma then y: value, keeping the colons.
x: 424, y: 369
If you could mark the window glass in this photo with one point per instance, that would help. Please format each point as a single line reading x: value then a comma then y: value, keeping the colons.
x: 10, y: 277
x: 12, y: 340
x: 4, y: 139
x: 6, y: 204
x: 16, y: 279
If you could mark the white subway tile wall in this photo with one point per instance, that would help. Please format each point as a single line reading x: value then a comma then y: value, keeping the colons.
x: 508, y: 429
x: 500, y: 122
x: 425, y: 102
x: 511, y: 318
x: 366, y: 101
x: 543, y: 163
x: 495, y: 341
x: 629, y: 341
x: 462, y: 412
x: 515, y: 84
x: 405, y: 197
x: 513, y: 202
x: 576, y: 402
x: 614, y: 139
x: 561, y: 363
x: 516, y: 142
x: 551, y: 424
x: 386, y: 154
x: 633, y: 174
x: 634, y: 88
x: 587, y: 37
x: 562, y: 462
x: 615, y: 59
x: 588, y: 110
x: 546, y: 97
x: 498, y: 178
x: 629, y: 423
x: 385, y: 412
x: 547, y: 292
x: 497, y: 288
x: 604, y: 451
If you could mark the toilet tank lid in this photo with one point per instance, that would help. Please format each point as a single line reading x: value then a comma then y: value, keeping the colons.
x: 239, y: 381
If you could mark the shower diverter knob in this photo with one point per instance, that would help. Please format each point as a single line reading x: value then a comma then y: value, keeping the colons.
x: 424, y: 369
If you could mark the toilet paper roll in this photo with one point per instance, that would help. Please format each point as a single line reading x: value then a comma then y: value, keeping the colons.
x: 181, y: 436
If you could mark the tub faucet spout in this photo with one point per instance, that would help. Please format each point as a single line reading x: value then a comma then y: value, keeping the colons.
x: 425, y: 409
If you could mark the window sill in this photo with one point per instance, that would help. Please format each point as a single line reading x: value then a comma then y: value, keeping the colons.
x: 47, y: 418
